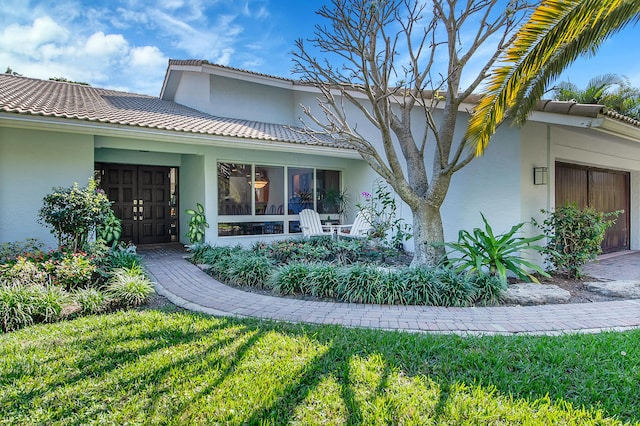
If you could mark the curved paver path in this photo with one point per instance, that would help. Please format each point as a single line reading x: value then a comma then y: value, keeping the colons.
x: 187, y: 286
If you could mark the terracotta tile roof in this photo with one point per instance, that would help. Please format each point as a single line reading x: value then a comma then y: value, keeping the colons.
x: 203, y: 62
x: 28, y: 96
x: 583, y: 110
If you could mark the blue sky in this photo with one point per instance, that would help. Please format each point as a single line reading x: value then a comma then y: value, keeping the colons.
x: 125, y: 44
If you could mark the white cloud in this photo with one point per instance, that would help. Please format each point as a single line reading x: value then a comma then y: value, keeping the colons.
x: 125, y: 44
x: 27, y: 39
x: 225, y: 56
x: 147, y: 57
x: 102, y: 45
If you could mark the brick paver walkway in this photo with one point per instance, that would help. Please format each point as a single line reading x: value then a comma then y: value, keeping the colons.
x: 187, y: 286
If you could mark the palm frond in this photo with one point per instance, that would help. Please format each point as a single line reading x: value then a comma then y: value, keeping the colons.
x: 557, y: 33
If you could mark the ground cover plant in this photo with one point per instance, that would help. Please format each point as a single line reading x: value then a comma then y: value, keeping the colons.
x: 38, y: 286
x: 153, y: 367
x: 345, y: 270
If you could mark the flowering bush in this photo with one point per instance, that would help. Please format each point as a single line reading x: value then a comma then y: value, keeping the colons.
x: 381, y: 211
x: 36, y: 286
x: 74, y: 213
x: 73, y: 270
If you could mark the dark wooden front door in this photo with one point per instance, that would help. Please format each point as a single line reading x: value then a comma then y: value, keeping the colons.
x: 603, y: 190
x: 140, y: 196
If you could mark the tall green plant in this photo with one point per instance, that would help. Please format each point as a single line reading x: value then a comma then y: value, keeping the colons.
x: 483, y: 250
x: 574, y: 236
x: 197, y: 224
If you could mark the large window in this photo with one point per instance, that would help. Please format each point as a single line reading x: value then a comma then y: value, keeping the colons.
x: 300, y: 189
x: 234, y: 189
x: 269, y: 189
x: 251, y: 198
x: 330, y: 196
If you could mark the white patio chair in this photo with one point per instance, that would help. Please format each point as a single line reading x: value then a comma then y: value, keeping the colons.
x: 360, y: 227
x: 311, y: 225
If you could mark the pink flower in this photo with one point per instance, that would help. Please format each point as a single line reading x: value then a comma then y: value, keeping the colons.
x: 366, y: 195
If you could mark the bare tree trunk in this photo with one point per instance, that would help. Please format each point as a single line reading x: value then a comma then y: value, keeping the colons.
x: 428, y: 235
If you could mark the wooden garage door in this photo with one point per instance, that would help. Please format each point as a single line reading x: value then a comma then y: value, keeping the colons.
x: 604, y: 190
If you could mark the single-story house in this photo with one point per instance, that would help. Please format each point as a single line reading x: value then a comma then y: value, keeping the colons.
x: 232, y: 141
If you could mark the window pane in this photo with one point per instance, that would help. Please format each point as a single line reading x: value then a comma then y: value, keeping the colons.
x: 234, y: 189
x: 330, y: 198
x: 269, y: 190
x: 300, y: 189
x: 249, y: 228
x: 294, y: 227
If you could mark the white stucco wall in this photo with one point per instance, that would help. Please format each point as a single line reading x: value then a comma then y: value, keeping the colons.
x: 31, y: 163
x: 191, y: 183
x: 193, y: 91
x: 226, y: 97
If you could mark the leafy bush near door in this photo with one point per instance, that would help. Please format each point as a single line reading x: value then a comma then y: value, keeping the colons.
x: 73, y: 214
x: 574, y: 236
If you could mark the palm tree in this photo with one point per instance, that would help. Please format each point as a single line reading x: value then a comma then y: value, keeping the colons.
x: 557, y: 33
x: 611, y: 90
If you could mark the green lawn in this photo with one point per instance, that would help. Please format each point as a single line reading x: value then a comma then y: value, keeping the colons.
x: 152, y: 367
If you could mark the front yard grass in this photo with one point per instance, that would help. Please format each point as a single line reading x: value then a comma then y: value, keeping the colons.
x: 154, y: 367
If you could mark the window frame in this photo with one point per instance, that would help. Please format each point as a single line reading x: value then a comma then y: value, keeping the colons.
x: 285, y: 217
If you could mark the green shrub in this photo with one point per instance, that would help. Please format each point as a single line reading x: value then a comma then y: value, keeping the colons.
x: 122, y: 256
x: 110, y: 230
x: 12, y: 250
x: 489, y: 289
x: 292, y: 278
x: 72, y: 270
x: 249, y: 269
x: 197, y: 251
x: 482, y: 251
x: 422, y: 286
x: 16, y: 309
x: 74, y: 213
x: 361, y: 284
x: 574, y: 236
x: 294, y: 250
x: 392, y: 289
x: 24, y: 305
x: 219, y: 260
x: 48, y: 303
x: 91, y: 300
x: 23, y: 271
x: 455, y: 289
x: 346, y: 251
x: 129, y: 287
x: 323, y: 280
x: 211, y: 255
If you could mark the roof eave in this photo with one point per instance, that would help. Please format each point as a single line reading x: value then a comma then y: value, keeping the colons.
x: 619, y: 128
x: 565, y: 120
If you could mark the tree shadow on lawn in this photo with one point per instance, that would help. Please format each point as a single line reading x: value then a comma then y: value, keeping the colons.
x: 192, y: 368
